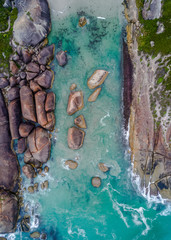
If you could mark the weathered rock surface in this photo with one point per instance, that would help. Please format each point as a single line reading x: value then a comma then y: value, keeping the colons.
x: 46, y: 55
x: 97, y: 78
x: 39, y: 144
x: 33, y: 22
x: 94, y: 95
x: 51, y: 121
x: 71, y: 164
x: 31, y: 75
x: 25, y: 129
x: 75, y: 102
x: 151, y: 153
x: 35, y: 87
x: 9, y: 211
x: 80, y: 121
x: 13, y: 67
x: 26, y: 55
x: 14, y: 110
x: 50, y: 102
x: 28, y: 170
x: 28, y: 159
x: 75, y: 138
x: 40, y: 98
x: 32, y: 67
x: 96, y: 182
x: 27, y: 104
x: 13, y: 81
x: 45, y: 79
x: 4, y: 82
x: 21, y: 145
x: 62, y: 59
x: 151, y: 9
x: 8, y: 162
x: 13, y: 93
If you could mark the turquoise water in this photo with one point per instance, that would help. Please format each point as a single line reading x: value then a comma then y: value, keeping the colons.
x: 71, y: 208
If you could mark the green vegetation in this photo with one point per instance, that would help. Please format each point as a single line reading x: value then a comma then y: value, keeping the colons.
x: 5, y: 37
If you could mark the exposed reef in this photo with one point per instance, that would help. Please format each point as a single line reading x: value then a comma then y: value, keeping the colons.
x: 150, y: 131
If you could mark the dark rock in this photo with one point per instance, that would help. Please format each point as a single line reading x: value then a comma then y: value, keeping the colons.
x: 40, y: 98
x: 18, y: 80
x: 25, y: 224
x: 39, y: 144
x: 43, y: 236
x: 50, y: 102
x: 75, y: 102
x: 31, y: 75
x: 28, y: 159
x: 28, y: 171
x: 13, y: 81
x: 33, y: 67
x: 25, y: 129
x: 34, y: 86
x: 128, y: 82
x: 23, y: 83
x: 75, y: 138
x: 51, y: 121
x: 22, y: 75
x: 61, y: 57
x: 21, y: 145
x: 45, y: 79
x: 26, y: 56
x: 27, y: 104
x: 9, y: 212
x: 4, y: 82
x: 46, y: 55
x: 13, y: 67
x: 14, y: 110
x: 33, y: 23
x: 13, y: 93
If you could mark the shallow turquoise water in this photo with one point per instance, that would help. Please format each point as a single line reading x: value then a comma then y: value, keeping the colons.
x: 72, y: 208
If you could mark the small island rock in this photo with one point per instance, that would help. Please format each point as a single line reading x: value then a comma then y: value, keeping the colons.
x: 94, y: 95
x: 61, y: 57
x: 71, y: 164
x: 97, y: 78
x: 75, y: 138
x: 96, y: 182
x: 80, y: 121
x: 75, y: 102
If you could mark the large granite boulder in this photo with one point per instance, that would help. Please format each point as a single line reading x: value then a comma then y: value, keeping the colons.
x: 25, y: 129
x: 45, y: 79
x: 46, y: 55
x: 32, y: 67
x: 40, y: 98
x: 9, y: 211
x: 13, y: 93
x: 14, y: 110
x: 50, y: 102
x: 75, y: 102
x: 39, y: 144
x: 27, y: 104
x: 75, y: 138
x: 33, y: 22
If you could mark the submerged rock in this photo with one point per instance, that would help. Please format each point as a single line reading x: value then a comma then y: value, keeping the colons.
x: 80, y: 121
x: 75, y: 138
x: 9, y: 210
x: 75, y: 102
x: 94, y: 95
x: 71, y: 164
x: 97, y: 78
x: 82, y: 21
x: 73, y: 86
x: 33, y: 22
x: 61, y: 57
x: 103, y: 167
x: 27, y: 104
x: 96, y: 182
x: 45, y: 79
x: 35, y: 235
x: 46, y: 55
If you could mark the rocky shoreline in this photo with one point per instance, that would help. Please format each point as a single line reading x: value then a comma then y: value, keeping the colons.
x: 30, y: 113
x: 151, y: 153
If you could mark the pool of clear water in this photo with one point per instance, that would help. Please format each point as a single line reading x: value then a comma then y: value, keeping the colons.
x: 72, y: 208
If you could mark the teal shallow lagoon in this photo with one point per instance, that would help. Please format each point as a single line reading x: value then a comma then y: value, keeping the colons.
x: 71, y: 208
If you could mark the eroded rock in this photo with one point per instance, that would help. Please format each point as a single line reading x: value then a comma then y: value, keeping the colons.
x: 71, y: 164
x: 21, y: 145
x: 97, y: 78
x: 35, y: 87
x: 13, y: 93
x: 50, y: 102
x: 61, y: 57
x: 14, y: 110
x: 4, y: 82
x: 45, y: 79
x: 33, y: 67
x: 25, y: 129
x: 96, y: 182
x: 75, y: 102
x: 80, y: 121
x: 28, y: 171
x: 75, y: 138
x: 94, y: 95
x: 46, y: 55
x: 40, y: 98
x: 103, y: 167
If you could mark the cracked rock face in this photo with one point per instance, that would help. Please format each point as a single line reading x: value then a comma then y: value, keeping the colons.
x: 33, y: 23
